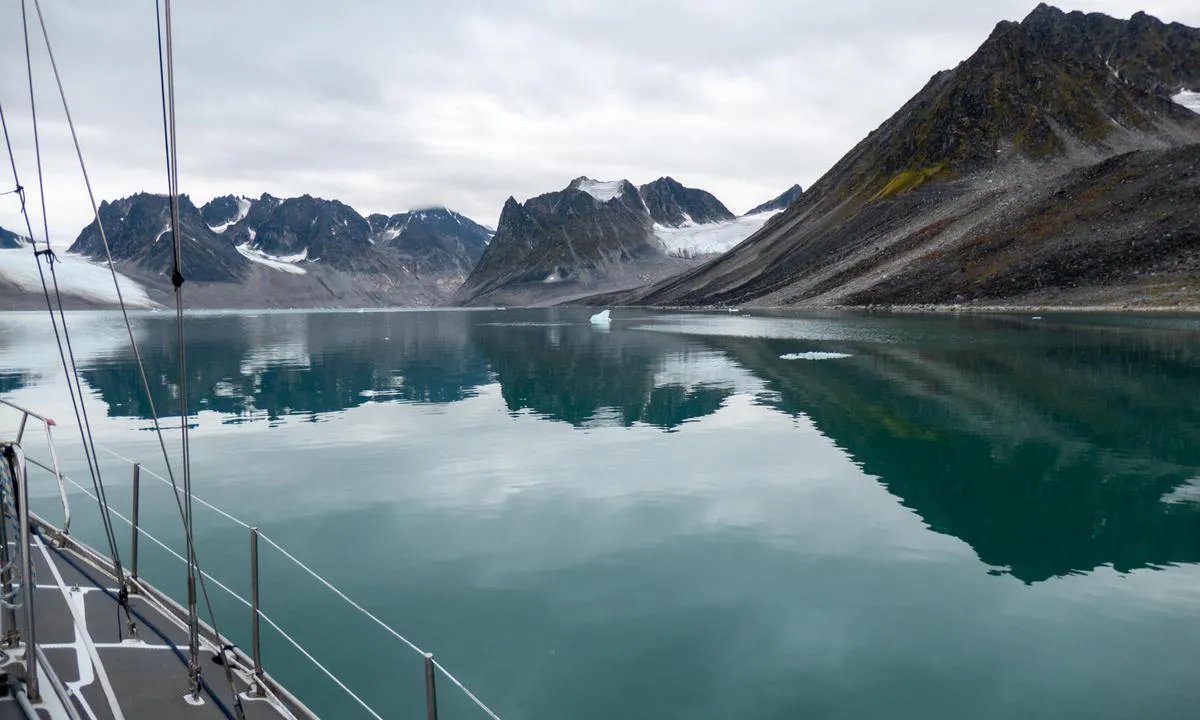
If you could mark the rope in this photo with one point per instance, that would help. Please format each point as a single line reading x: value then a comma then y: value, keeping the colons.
x: 141, y: 618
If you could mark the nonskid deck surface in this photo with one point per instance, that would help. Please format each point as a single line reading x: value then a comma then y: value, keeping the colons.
x: 85, y: 640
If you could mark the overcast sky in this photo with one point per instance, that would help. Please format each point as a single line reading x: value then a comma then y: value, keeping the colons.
x: 391, y: 105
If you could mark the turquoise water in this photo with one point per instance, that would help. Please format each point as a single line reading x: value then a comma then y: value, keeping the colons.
x: 919, y: 517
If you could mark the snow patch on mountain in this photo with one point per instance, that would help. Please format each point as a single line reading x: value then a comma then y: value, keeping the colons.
x: 602, y: 190
x: 243, y: 210
x: 1188, y: 99
x: 77, y: 276
x: 692, y: 240
x: 284, y: 263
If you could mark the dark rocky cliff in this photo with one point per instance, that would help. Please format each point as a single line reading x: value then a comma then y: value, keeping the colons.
x: 567, y: 238
x: 780, y: 202
x: 138, y: 229
x: 10, y: 239
x: 305, y: 251
x: 982, y: 146
x: 672, y: 204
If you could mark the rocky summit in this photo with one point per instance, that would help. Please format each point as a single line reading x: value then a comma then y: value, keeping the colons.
x: 433, y: 241
x: 289, y: 252
x: 781, y: 202
x: 997, y: 169
x: 10, y: 240
x: 672, y: 204
x: 138, y: 233
x: 600, y: 236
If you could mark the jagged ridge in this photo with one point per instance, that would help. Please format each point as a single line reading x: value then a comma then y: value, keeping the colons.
x: 594, y: 234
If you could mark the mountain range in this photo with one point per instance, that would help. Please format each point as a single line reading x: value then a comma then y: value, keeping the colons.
x: 597, y: 236
x: 1059, y: 164
x: 302, y: 251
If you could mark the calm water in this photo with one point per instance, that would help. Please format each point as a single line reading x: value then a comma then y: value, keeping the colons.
x: 964, y: 518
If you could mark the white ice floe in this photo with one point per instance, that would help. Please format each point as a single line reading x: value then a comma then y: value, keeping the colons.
x: 602, y: 319
x: 285, y: 263
x: 602, y: 190
x: 77, y: 276
x: 691, y: 239
x: 1188, y: 492
x: 1189, y: 99
x: 242, y: 210
x: 814, y: 356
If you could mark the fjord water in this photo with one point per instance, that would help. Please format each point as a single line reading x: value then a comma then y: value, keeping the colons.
x: 920, y: 517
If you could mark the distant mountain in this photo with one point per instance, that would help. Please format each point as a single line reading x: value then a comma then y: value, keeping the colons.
x: 222, y: 212
x: 138, y: 229
x: 433, y: 240
x: 240, y: 218
x: 10, y: 240
x: 780, y: 202
x: 572, y: 240
x: 672, y: 204
x: 597, y: 236
x: 1001, y: 141
x: 294, y: 252
x: 318, y: 230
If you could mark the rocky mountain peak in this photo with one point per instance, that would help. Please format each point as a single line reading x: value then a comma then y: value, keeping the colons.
x: 138, y: 229
x: 1058, y: 97
x: 673, y: 205
x: 10, y: 240
x: 779, y: 202
x: 1053, y: 86
x: 601, y: 190
x: 432, y: 239
x: 1043, y: 14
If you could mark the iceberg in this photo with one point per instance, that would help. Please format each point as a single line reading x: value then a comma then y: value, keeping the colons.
x: 602, y: 319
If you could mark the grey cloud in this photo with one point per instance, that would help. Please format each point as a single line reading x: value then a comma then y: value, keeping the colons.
x: 389, y: 105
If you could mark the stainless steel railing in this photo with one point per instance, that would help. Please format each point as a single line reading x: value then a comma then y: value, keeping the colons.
x: 48, y: 426
x: 430, y: 666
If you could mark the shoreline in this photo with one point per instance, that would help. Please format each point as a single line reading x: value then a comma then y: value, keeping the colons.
x: 30, y: 302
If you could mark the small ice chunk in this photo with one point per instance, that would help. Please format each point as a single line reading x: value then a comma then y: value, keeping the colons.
x: 602, y: 319
x: 814, y: 356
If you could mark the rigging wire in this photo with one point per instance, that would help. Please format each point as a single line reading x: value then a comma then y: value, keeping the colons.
x: 120, y: 296
x: 177, y: 282
x: 184, y: 516
x: 74, y: 384
x: 163, y: 21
